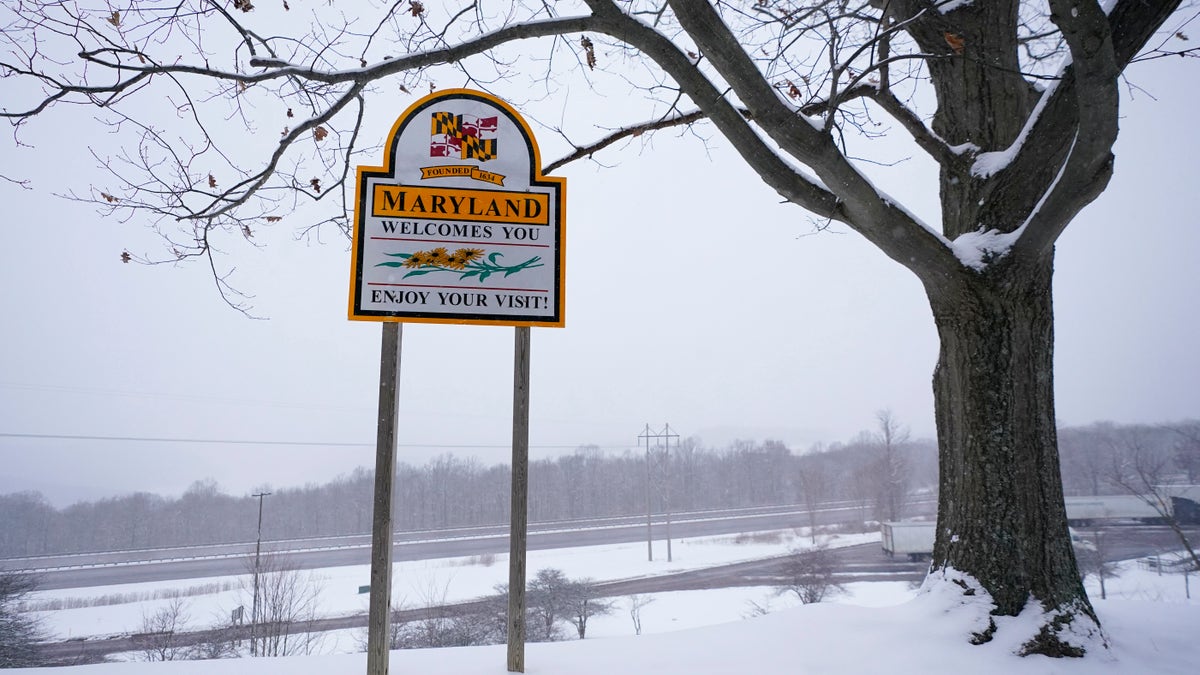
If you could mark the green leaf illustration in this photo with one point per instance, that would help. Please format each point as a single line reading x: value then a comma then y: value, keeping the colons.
x: 467, y: 262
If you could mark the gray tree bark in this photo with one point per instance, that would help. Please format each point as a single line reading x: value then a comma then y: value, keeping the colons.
x: 1001, y: 517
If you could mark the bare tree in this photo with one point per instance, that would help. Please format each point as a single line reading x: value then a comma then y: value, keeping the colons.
x: 862, y: 490
x: 1141, y: 470
x: 1095, y: 559
x: 553, y: 599
x: 219, y: 642
x: 441, y: 624
x: 892, y: 469
x: 1015, y: 104
x: 548, y: 604
x: 287, y: 609
x: 583, y: 603
x: 814, y: 486
x: 20, y: 633
x: 432, y: 630
x: 159, y: 639
x: 1187, y: 449
x: 809, y: 575
x: 1086, y: 457
x: 636, y: 604
x: 436, y: 628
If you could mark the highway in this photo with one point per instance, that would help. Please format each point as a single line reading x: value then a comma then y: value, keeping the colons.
x: 863, y: 562
x: 194, y: 562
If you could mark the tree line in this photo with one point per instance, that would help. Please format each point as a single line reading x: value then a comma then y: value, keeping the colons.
x: 880, y: 470
x: 450, y: 491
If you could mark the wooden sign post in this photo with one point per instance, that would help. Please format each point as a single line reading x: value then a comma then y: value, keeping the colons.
x: 380, y: 607
x: 458, y: 226
x: 519, y: 506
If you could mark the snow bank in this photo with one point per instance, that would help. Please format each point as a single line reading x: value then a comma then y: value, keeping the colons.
x: 925, y: 635
x: 878, y: 627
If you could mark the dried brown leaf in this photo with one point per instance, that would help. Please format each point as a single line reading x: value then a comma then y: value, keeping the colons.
x: 589, y: 50
x: 956, y: 42
x: 319, y: 133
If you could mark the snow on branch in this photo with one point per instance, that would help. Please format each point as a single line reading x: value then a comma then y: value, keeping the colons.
x: 950, y: 5
x: 979, y: 249
x: 988, y: 164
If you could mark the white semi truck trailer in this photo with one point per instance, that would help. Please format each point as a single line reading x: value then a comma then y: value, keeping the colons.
x: 915, y: 538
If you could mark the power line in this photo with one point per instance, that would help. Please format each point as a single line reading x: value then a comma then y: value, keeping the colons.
x: 341, y: 444
x: 151, y: 439
x: 219, y: 399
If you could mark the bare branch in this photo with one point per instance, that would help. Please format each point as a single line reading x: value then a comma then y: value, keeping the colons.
x: 866, y: 210
x: 623, y: 133
x: 1088, y: 165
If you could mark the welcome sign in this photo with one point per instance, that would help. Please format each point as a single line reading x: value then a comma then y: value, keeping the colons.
x: 459, y: 225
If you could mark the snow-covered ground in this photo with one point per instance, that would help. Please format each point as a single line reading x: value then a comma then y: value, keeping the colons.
x: 876, y: 627
x: 119, y: 609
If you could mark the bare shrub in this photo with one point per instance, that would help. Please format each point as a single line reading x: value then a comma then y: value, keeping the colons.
x: 160, y: 637
x: 809, y: 574
x: 636, y: 603
x: 286, y: 609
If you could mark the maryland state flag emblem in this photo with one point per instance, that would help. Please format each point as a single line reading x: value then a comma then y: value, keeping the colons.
x: 463, y: 136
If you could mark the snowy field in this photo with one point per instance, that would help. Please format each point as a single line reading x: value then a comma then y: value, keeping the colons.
x: 875, y: 627
x: 119, y: 609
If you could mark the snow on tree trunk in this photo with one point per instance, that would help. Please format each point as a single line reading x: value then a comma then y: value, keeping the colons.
x: 1001, y: 518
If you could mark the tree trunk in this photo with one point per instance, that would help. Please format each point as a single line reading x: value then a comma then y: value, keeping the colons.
x: 1001, y: 519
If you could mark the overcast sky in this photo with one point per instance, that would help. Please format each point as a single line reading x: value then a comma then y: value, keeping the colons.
x: 693, y: 298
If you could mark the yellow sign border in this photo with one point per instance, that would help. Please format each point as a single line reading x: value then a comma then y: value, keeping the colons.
x: 388, y: 165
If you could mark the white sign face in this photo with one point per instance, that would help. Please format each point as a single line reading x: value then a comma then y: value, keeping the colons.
x: 459, y: 225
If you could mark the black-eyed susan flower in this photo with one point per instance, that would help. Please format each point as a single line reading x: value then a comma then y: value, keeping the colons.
x: 417, y: 259
x: 468, y: 262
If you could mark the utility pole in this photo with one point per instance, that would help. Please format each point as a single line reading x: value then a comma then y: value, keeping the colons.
x: 665, y: 435
x: 649, y: 524
x: 257, y: 551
